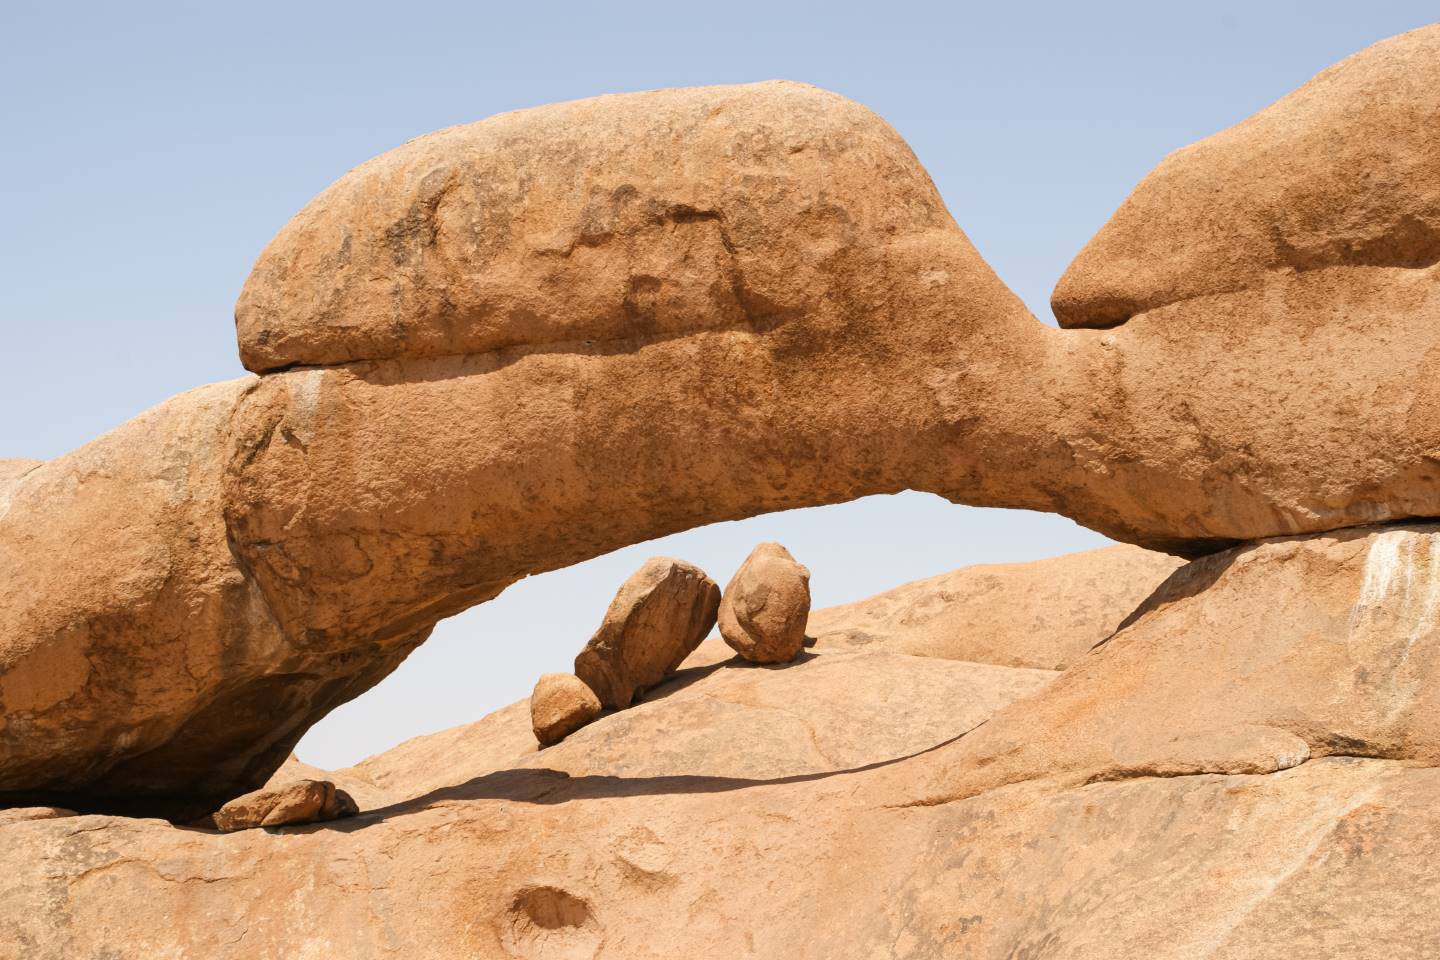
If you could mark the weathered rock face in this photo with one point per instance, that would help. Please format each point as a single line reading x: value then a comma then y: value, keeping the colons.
x: 297, y: 802
x: 1284, y: 270
x: 140, y: 669
x: 766, y: 272
x: 642, y: 835
x: 765, y: 606
x: 17, y: 814
x: 1043, y: 614
x: 12, y: 470
x: 494, y: 323
x: 1245, y: 662
x: 658, y: 616
x: 561, y: 704
x: 1279, y: 196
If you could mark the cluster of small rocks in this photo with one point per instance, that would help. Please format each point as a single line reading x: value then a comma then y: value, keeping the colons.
x: 657, y: 619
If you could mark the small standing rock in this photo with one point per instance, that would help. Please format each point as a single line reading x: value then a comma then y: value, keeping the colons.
x: 766, y: 605
x: 301, y: 801
x: 657, y: 618
x: 560, y: 705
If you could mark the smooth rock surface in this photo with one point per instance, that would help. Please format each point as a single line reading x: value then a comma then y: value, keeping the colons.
x: 765, y: 606
x: 1044, y: 614
x: 1278, y: 195
x: 1249, y: 661
x: 658, y: 616
x: 560, y: 704
x: 658, y: 830
x: 767, y: 272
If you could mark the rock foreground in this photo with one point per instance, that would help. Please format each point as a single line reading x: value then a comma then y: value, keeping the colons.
x: 727, y: 814
x: 516, y: 344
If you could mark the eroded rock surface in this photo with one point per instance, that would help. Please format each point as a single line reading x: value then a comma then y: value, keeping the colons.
x: 643, y: 834
x: 765, y: 606
x: 141, y: 669
x: 560, y: 704
x: 17, y: 814
x: 658, y: 616
x: 1278, y: 196
x: 1249, y: 661
x: 511, y: 346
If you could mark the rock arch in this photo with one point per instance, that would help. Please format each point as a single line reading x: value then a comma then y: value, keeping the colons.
x: 509, y: 346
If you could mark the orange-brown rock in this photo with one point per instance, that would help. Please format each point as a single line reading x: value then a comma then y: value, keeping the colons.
x: 560, y: 704
x: 11, y: 471
x: 1045, y: 613
x: 295, y: 803
x: 515, y: 345
x: 637, y: 217
x: 17, y: 814
x: 140, y: 667
x: 765, y: 606
x: 1276, y: 284
x: 643, y: 834
x: 1249, y: 661
x: 658, y: 616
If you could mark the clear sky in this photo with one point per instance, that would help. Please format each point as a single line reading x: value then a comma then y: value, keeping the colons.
x: 151, y: 150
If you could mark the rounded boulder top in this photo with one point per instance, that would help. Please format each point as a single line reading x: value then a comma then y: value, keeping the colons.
x: 645, y: 215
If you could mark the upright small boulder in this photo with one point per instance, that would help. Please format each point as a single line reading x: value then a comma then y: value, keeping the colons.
x: 657, y: 618
x: 560, y: 705
x: 766, y: 605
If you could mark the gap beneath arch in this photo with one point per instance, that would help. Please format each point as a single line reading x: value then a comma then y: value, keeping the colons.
x: 490, y: 655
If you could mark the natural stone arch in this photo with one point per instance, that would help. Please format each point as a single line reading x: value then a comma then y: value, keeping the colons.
x: 510, y: 346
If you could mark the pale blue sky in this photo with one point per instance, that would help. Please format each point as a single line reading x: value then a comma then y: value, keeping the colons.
x: 152, y: 149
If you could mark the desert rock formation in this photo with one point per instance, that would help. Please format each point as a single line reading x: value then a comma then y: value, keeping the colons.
x: 766, y: 605
x: 513, y: 345
x: 152, y: 675
x: 644, y: 833
x: 1253, y: 660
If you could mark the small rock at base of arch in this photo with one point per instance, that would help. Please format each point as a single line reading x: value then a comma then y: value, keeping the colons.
x: 560, y: 705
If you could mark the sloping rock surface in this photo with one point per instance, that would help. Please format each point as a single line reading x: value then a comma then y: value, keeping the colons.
x: 1043, y: 614
x: 725, y: 817
x: 1248, y: 661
